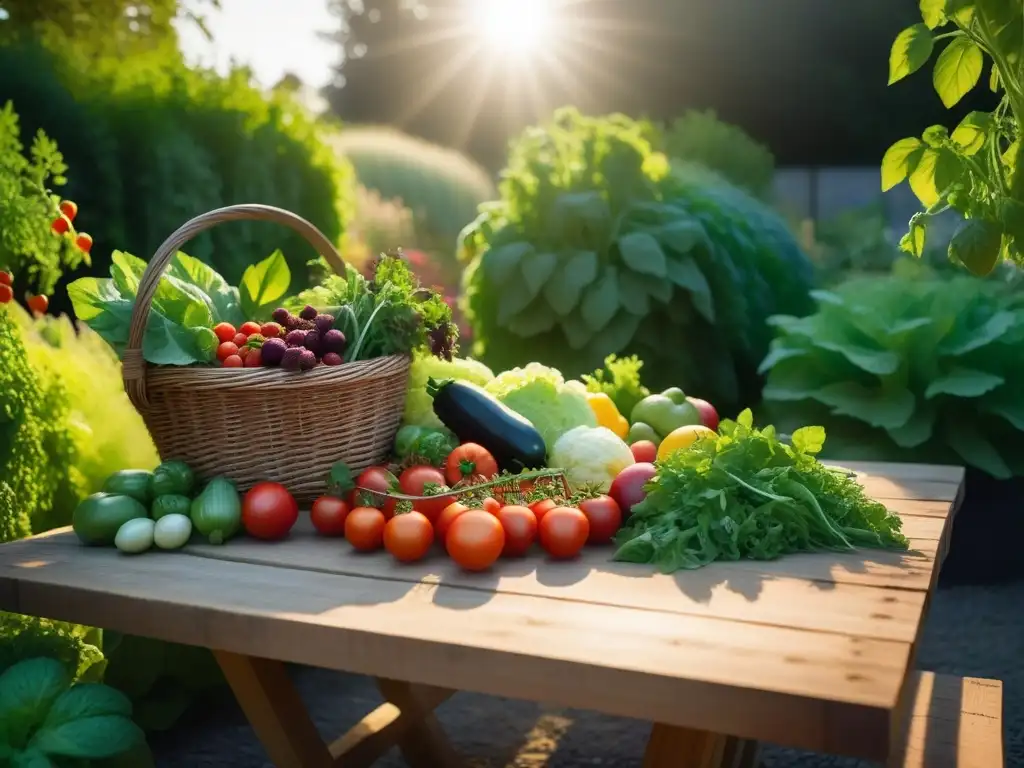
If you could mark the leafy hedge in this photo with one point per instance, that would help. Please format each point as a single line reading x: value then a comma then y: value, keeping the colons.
x: 907, y: 368
x: 598, y: 246
x: 152, y: 143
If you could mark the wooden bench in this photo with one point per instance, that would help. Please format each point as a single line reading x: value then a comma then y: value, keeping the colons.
x: 952, y: 722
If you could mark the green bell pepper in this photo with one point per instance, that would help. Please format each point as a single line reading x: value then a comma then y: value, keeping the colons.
x: 665, y: 413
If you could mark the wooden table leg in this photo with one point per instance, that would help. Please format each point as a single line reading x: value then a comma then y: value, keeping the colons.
x: 275, y: 711
x: 674, y: 747
x: 423, y: 743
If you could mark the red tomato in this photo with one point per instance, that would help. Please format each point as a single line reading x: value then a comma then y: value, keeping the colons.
x: 233, y: 361
x: 226, y: 350
x: 253, y: 358
x: 408, y: 536
x: 269, y: 511
x: 563, y: 532
x: 6, y: 293
x: 69, y: 208
x: 377, y: 479
x: 224, y: 331
x: 708, y: 414
x: 6, y: 278
x: 250, y: 328
x: 604, y: 517
x: 61, y: 224
x: 38, y: 304
x: 364, y: 528
x: 328, y: 516
x: 520, y: 526
x: 470, y: 460
x: 644, y: 451
x: 447, y: 516
x: 475, y: 540
x: 417, y: 481
x: 491, y: 505
x: 240, y: 340
x: 84, y: 242
x: 542, y: 507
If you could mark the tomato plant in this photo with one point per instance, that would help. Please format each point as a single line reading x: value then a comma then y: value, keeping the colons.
x: 470, y: 460
x: 978, y: 170
x: 269, y: 511
x: 475, y: 540
x: 408, y: 536
x: 447, y: 516
x: 563, y: 532
x: 604, y: 517
x: 378, y: 479
x: 364, y: 528
x: 424, y: 480
x: 328, y: 516
x: 520, y: 526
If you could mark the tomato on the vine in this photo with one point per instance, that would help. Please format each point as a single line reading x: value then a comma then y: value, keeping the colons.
x: 408, y: 536
x: 563, y: 532
x: 269, y: 511
x: 6, y: 278
x: 380, y: 480
x: 470, y: 460
x: 520, y: 526
x: 475, y: 540
x: 422, y: 480
x: 491, y: 504
x: 447, y: 516
x: 6, y: 293
x: 328, y: 516
x: 69, y: 208
x: 604, y: 516
x: 364, y: 528
x: 38, y: 304
x: 542, y: 507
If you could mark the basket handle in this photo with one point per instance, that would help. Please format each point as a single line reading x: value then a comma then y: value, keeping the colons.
x: 133, y: 364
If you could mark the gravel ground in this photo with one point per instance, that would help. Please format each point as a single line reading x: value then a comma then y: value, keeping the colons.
x: 971, y: 631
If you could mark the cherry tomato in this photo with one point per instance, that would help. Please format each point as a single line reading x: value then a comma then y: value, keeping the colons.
x: 6, y: 293
x: 271, y: 330
x: 61, y: 224
x: 520, y: 526
x: 269, y: 511
x: 254, y: 358
x: 234, y: 361
x: 408, y: 536
x: 445, y: 519
x: 250, y: 328
x: 470, y: 460
x: 38, y: 304
x: 6, y: 278
x: 224, y: 331
x: 563, y: 532
x: 328, y: 516
x: 69, y: 208
x: 644, y: 451
x: 381, y: 480
x: 491, y: 505
x: 542, y: 507
x: 227, y: 349
x: 84, y: 242
x: 240, y: 339
x: 364, y: 528
x: 418, y: 480
x: 475, y: 540
x: 604, y: 516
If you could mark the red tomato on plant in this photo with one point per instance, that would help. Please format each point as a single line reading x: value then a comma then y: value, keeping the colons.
x: 224, y: 331
x: 269, y: 511
x: 475, y: 540
x: 6, y: 293
x: 492, y: 505
x: 470, y: 460
x: 6, y: 278
x: 69, y: 208
x: 520, y: 526
x: 61, y: 224
x: 542, y: 507
x: 328, y: 516
x: 408, y: 536
x: 644, y: 451
x: 38, y: 304
x: 420, y: 480
x: 445, y: 519
x: 563, y: 532
x: 377, y: 479
x: 84, y: 242
x: 604, y: 516
x: 250, y: 328
x: 364, y: 528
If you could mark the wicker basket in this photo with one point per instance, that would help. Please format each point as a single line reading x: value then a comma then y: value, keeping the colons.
x: 254, y: 424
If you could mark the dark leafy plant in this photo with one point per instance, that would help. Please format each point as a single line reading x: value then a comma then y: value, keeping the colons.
x: 598, y: 246
x: 978, y: 170
x: 911, y: 369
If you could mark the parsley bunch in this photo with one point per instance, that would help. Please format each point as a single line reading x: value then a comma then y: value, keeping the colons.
x: 748, y: 495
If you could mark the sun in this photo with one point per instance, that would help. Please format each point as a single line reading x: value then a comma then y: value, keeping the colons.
x: 514, y: 26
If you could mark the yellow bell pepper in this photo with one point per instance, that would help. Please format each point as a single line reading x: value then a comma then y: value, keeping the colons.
x: 607, y: 414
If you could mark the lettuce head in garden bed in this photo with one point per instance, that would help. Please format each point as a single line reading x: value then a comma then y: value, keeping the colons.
x: 599, y: 246
x: 911, y: 369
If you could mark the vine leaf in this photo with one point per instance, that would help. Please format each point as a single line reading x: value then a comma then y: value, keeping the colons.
x: 957, y: 70
x: 910, y: 51
x: 970, y: 135
x: 899, y: 161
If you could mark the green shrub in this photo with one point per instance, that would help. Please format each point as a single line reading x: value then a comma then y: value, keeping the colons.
x: 700, y: 137
x: 598, y: 247
x: 907, y: 368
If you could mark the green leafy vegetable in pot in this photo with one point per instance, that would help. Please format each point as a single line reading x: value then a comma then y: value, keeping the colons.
x: 748, y: 495
x: 907, y: 369
x: 217, y: 512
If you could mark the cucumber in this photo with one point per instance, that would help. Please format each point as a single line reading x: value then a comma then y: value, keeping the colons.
x: 98, y: 518
x: 130, y: 482
x: 135, y: 536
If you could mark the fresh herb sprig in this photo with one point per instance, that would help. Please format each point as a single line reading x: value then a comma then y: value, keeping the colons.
x: 748, y: 495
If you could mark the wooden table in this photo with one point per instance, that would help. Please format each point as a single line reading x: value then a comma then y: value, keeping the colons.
x: 810, y: 651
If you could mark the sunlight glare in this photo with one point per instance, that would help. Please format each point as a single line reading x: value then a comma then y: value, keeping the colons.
x: 515, y: 26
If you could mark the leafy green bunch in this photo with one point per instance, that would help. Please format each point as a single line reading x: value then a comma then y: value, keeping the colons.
x: 28, y: 247
x: 978, y: 170
x: 598, y: 246
x: 918, y: 368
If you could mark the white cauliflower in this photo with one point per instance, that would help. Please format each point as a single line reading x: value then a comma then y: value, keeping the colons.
x: 591, y: 456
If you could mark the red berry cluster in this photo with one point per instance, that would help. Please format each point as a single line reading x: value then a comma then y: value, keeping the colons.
x: 243, y: 347
x: 62, y: 226
x: 38, y: 304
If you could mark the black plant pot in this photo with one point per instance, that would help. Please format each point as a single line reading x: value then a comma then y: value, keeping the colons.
x: 987, y: 533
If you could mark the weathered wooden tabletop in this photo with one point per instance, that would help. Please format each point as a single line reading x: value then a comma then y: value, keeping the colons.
x: 811, y: 651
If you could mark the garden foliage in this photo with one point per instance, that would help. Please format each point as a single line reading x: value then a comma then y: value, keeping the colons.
x: 907, y: 368
x: 598, y: 246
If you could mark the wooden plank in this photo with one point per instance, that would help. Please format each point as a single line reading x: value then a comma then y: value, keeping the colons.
x: 423, y: 744
x: 920, y: 508
x: 940, y: 473
x: 671, y: 747
x: 755, y: 681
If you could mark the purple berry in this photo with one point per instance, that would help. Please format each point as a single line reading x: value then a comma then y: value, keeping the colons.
x: 291, y: 323
x: 307, y: 360
x: 334, y: 341
x: 273, y: 351
x: 312, y: 342
x: 292, y: 358
x: 324, y: 323
x: 295, y: 338
x: 305, y: 325
x: 332, y: 358
x: 281, y: 315
x: 308, y: 312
